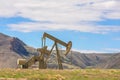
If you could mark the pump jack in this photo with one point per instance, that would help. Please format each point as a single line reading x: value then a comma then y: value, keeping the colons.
x: 43, y: 51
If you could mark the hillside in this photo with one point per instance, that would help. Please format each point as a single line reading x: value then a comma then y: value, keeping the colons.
x: 91, y: 60
x: 111, y: 62
x: 12, y: 48
x: 84, y: 60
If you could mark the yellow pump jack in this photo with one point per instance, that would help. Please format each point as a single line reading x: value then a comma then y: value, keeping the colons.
x: 43, y: 51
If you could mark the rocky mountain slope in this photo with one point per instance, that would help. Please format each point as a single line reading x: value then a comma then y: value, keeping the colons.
x: 12, y: 48
x: 112, y: 62
x: 88, y: 60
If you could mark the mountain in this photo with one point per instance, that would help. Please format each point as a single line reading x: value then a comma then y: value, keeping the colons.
x: 84, y: 60
x: 111, y: 62
x: 88, y: 60
x: 11, y: 49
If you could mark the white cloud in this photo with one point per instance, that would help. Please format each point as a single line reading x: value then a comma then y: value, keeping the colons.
x: 106, y: 50
x: 31, y: 26
x: 65, y: 14
x: 113, y: 15
x: 88, y: 51
x: 116, y: 50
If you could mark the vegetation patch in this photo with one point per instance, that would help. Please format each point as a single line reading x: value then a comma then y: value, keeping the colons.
x: 49, y: 74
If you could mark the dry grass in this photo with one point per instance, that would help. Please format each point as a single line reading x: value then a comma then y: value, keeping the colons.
x: 75, y: 74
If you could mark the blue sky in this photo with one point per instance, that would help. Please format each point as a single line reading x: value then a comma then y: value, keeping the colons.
x: 91, y: 25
